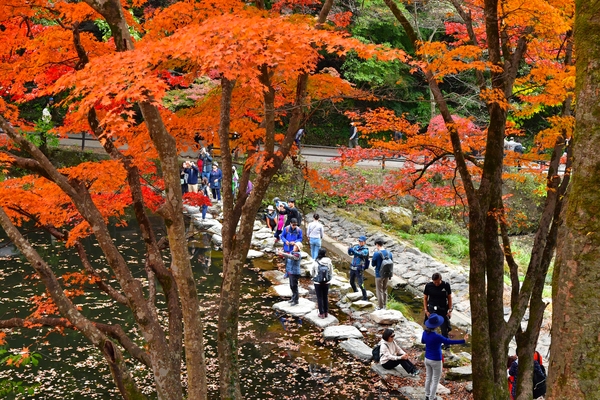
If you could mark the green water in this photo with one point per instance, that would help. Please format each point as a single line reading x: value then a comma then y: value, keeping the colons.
x: 280, y: 357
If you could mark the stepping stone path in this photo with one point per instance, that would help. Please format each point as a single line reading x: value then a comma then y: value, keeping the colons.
x: 342, y: 332
x: 418, y: 392
x: 303, y: 307
x: 284, y: 290
x: 387, y: 317
x: 313, y: 318
x: 358, y: 349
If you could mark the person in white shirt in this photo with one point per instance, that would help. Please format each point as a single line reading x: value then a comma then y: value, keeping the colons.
x: 315, y: 235
x: 392, y: 355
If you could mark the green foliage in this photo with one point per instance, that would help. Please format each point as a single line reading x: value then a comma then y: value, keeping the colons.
x: 394, y: 304
x: 13, y: 388
x: 374, y: 73
x: 107, y: 34
x: 456, y: 246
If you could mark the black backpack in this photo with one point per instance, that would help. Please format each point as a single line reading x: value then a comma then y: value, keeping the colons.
x: 323, y: 273
x: 376, y: 353
x: 387, y: 266
x: 366, y: 262
x: 539, y: 382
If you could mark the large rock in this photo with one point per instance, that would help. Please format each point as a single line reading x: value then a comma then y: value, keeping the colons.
x: 313, y: 318
x: 302, y: 308
x: 254, y: 254
x: 274, y: 276
x: 460, y: 373
x: 386, y: 317
x: 398, y: 371
x: 342, y: 332
x: 217, y: 240
x: 284, y: 290
x: 398, y: 217
x: 358, y: 349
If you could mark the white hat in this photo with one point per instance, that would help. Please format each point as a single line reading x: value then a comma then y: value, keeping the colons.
x: 270, y: 208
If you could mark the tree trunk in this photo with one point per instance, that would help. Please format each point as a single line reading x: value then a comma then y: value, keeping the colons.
x: 574, y: 366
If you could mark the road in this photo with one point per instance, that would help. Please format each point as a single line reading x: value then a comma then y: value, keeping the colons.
x: 312, y: 154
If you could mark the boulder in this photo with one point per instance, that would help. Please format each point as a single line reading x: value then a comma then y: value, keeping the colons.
x: 303, y: 307
x: 341, y: 332
x: 274, y: 276
x: 358, y: 349
x: 386, y: 317
x: 217, y: 240
x: 313, y: 318
x: 284, y: 290
x: 460, y: 373
x: 254, y: 254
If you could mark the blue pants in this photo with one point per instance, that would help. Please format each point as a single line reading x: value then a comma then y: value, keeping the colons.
x: 216, y: 192
x: 315, y: 246
x: 204, y: 208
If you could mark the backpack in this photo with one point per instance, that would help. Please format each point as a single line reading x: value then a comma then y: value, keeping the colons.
x: 387, y: 266
x: 366, y: 262
x: 539, y: 382
x: 323, y: 273
x: 376, y: 353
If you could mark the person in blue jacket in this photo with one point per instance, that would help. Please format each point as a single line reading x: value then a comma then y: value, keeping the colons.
x: 292, y: 269
x: 360, y: 253
x: 291, y: 235
x: 433, y: 353
x: 215, y: 179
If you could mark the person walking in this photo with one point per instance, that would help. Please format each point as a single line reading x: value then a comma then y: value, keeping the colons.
x: 235, y: 181
x: 215, y: 179
x: 437, y: 298
x: 291, y: 235
x: 206, y: 162
x: 292, y: 269
x: 433, y: 353
x: 321, y: 273
x: 392, y: 355
x: 360, y: 255
x: 183, y: 176
x: 315, y: 235
x: 353, y: 141
x: 380, y: 282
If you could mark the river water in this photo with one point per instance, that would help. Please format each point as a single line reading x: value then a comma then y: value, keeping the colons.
x: 280, y: 357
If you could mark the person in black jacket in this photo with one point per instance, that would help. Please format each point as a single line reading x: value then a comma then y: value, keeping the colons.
x: 292, y: 212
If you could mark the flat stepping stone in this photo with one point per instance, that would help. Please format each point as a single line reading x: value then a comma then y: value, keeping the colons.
x: 342, y: 332
x: 313, y: 318
x: 418, y: 392
x: 355, y: 296
x: 358, y: 349
x: 460, y: 373
x: 360, y: 304
x: 283, y: 290
x: 386, y: 317
x: 260, y: 235
x: 254, y: 254
x: 274, y: 276
x: 398, y: 371
x: 303, y: 307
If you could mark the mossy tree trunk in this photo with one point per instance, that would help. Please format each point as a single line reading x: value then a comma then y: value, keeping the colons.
x: 574, y: 368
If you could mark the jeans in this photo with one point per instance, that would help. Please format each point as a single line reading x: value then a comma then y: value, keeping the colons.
x: 322, y: 290
x: 204, y: 208
x: 434, y: 372
x: 315, y: 245
x: 216, y: 192
x: 406, y: 364
x: 294, y: 286
x: 381, y: 285
x: 356, y: 274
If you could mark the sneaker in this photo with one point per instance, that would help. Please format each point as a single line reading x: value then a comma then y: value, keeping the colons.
x: 416, y: 373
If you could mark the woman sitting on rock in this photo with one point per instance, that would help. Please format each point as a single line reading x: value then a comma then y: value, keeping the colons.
x: 392, y: 355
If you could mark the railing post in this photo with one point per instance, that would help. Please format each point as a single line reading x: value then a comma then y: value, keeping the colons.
x: 383, y: 162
